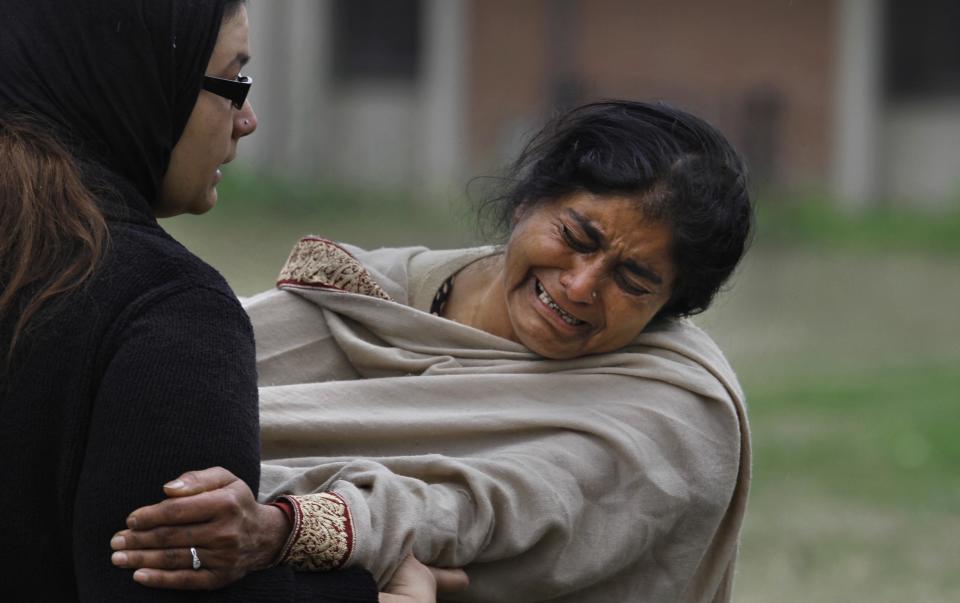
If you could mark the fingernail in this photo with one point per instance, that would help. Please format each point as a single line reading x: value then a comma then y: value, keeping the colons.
x: 118, y: 542
x: 174, y: 485
x: 119, y: 559
x: 132, y: 522
x: 141, y: 575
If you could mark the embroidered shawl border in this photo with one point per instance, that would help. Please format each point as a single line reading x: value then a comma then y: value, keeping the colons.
x: 315, y: 262
x: 322, y: 535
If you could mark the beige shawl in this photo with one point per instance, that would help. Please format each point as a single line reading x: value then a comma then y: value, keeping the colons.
x: 615, y: 477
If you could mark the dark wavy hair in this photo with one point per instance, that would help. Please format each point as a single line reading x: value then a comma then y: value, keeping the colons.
x: 681, y: 170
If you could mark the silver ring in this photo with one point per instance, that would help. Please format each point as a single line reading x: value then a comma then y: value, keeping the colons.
x: 196, y: 558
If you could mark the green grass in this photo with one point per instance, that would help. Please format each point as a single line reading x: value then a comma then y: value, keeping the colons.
x: 818, y: 221
x: 783, y: 218
x: 884, y: 439
x: 379, y: 216
x: 856, y: 491
x: 259, y: 217
x: 388, y: 217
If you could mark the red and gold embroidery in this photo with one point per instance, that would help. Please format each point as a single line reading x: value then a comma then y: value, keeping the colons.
x: 316, y: 262
x: 322, y: 535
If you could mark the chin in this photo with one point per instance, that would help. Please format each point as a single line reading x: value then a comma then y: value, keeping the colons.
x: 552, y: 355
x: 551, y: 352
x: 202, y: 207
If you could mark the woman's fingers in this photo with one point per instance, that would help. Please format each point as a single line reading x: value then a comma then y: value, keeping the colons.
x: 184, y: 579
x: 236, y: 533
x: 414, y: 582
x: 194, y: 482
x: 166, y: 559
x: 166, y: 537
x: 173, y: 569
x: 187, y: 509
x: 449, y: 580
x: 172, y: 511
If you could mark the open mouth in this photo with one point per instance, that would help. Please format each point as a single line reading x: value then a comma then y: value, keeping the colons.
x: 548, y: 301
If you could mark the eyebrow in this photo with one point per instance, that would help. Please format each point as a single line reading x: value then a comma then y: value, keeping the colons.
x: 597, y: 238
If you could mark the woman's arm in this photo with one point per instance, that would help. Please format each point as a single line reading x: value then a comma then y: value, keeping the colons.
x: 544, y: 483
x: 178, y: 390
x: 547, y: 494
x: 219, y: 507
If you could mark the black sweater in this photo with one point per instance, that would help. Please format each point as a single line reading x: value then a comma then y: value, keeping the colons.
x: 146, y: 372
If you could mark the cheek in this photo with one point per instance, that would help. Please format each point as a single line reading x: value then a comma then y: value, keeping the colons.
x: 174, y: 177
x: 209, y: 129
x: 626, y: 320
x: 516, y: 261
x: 535, y: 248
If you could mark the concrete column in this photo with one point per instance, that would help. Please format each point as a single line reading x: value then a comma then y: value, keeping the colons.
x: 443, y: 97
x: 310, y: 51
x: 565, y: 86
x: 859, y: 104
x: 291, y: 43
x: 267, y: 22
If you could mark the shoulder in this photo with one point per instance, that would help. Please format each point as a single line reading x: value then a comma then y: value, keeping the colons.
x: 691, y: 353
x: 429, y: 270
x: 677, y: 371
x: 150, y: 283
x: 144, y: 263
x: 415, y: 273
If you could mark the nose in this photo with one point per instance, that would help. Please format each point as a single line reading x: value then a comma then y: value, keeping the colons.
x: 582, y: 280
x: 244, y: 121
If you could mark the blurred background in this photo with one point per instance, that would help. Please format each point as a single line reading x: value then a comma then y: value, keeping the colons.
x: 383, y: 121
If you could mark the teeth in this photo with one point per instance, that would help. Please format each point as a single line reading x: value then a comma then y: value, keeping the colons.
x: 545, y: 298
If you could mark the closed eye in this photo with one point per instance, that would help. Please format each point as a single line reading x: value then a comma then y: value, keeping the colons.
x: 574, y: 242
x: 630, y: 286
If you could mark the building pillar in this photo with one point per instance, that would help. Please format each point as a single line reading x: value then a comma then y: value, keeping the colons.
x: 269, y: 75
x: 310, y: 55
x: 443, y: 97
x: 859, y: 103
x: 291, y: 43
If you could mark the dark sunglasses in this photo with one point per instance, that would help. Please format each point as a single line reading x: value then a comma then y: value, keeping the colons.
x: 233, y: 90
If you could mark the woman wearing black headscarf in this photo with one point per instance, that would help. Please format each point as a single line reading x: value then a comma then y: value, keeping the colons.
x: 123, y: 358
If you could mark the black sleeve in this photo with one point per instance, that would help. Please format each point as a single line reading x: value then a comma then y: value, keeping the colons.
x: 179, y: 392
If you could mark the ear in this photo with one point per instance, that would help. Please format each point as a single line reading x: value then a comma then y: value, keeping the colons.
x: 518, y: 213
x: 521, y: 211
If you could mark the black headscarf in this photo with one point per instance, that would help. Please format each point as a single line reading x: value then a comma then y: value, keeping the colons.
x: 115, y: 79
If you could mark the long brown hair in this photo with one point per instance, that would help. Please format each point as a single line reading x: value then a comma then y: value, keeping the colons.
x: 52, y: 233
